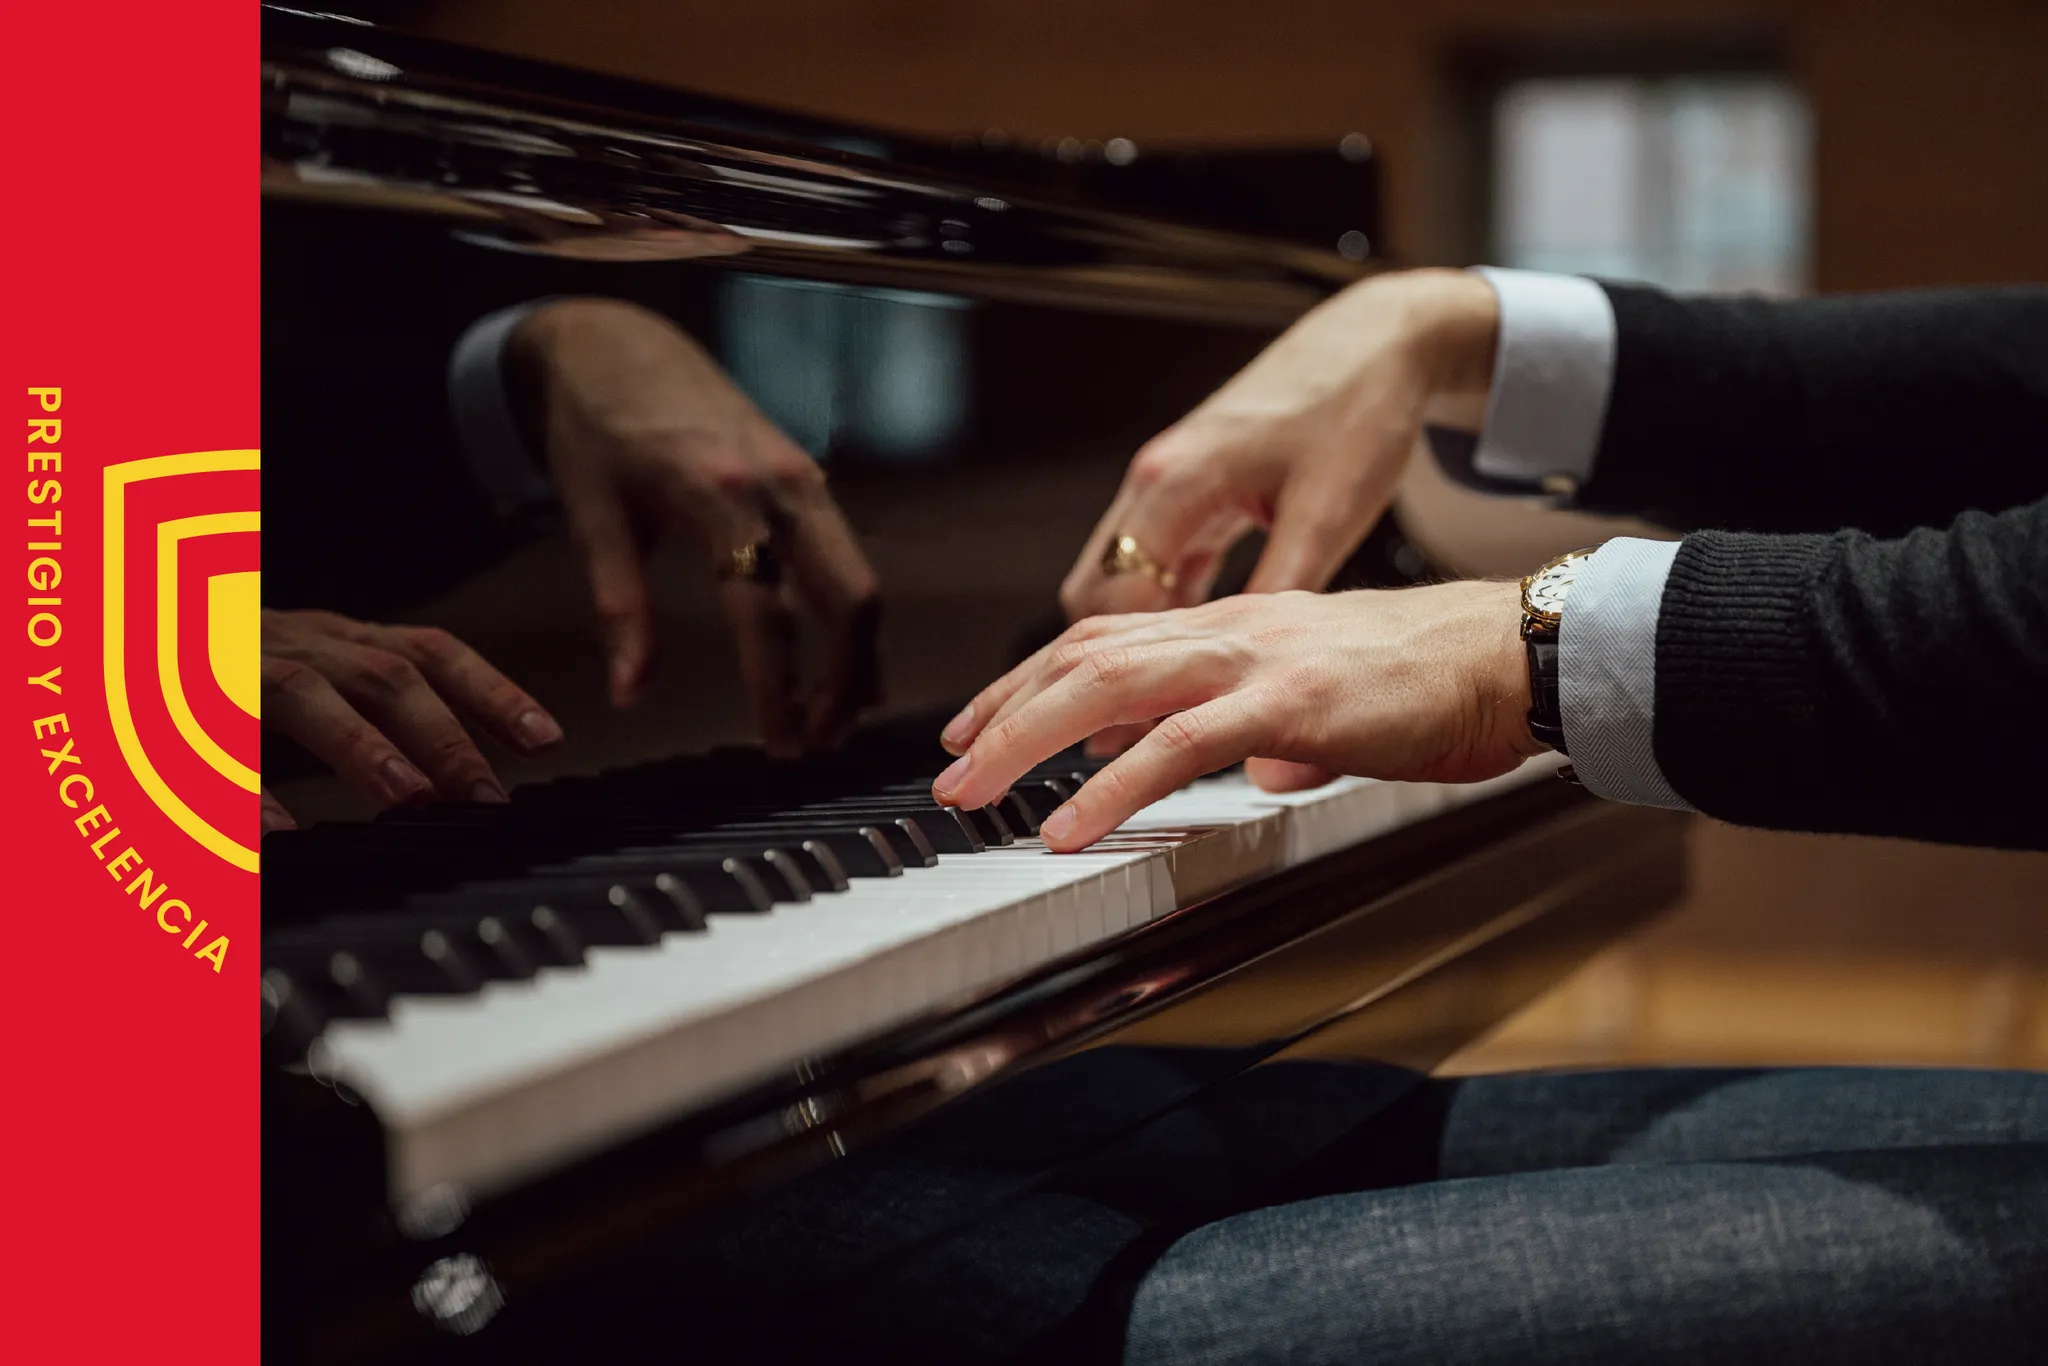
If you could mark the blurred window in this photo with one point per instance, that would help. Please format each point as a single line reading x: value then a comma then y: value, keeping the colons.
x: 1694, y: 183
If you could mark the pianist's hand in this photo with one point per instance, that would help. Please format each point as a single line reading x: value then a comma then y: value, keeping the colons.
x: 1426, y: 684
x: 378, y: 705
x: 1308, y: 441
x: 646, y: 436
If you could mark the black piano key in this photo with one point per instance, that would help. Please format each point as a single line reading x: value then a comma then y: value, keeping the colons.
x: 293, y: 1016
x: 726, y: 886
x: 989, y: 823
x: 812, y: 861
x: 680, y: 907
x: 599, y: 913
x: 514, y: 953
x: 857, y: 851
x: 748, y: 879
x: 716, y: 884
x: 785, y: 867
x: 1017, y: 814
x: 945, y: 828
x: 366, y: 995
x: 408, y: 958
x: 651, y: 898
x: 904, y: 840
x: 1050, y: 792
x: 1034, y: 799
x: 551, y: 925
x: 986, y: 822
x: 501, y: 944
x: 344, y: 985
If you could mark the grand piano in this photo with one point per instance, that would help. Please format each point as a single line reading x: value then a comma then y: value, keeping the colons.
x: 684, y: 1052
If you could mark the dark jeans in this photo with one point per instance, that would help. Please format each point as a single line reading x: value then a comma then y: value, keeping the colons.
x: 1799, y: 1215
x: 1315, y: 1213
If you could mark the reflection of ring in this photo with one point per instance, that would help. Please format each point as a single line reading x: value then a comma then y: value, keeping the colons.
x: 1123, y: 555
x: 755, y: 562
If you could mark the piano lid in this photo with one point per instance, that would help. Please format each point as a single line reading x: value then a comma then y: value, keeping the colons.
x: 545, y: 159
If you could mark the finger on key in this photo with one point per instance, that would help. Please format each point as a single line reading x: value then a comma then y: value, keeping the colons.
x: 972, y: 719
x: 1180, y: 749
x: 1117, y: 685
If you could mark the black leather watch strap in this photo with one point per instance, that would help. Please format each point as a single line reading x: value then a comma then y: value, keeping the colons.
x: 1546, y: 717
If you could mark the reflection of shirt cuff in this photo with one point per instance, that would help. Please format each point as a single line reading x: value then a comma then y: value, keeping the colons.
x: 1552, y: 369
x: 511, y: 475
x: 1607, y: 671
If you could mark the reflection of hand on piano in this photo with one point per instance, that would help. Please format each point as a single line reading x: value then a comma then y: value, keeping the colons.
x: 646, y: 435
x: 378, y: 703
x: 1419, y: 684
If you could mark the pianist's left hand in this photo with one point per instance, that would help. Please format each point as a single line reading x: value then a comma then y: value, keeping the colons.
x: 646, y: 436
x: 1423, y: 684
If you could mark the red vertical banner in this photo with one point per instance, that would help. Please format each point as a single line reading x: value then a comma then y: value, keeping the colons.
x: 131, y: 766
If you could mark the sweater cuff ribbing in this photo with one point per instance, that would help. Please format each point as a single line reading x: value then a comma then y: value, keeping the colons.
x: 1741, y: 727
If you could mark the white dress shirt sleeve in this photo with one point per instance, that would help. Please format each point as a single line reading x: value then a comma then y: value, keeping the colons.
x: 512, y: 476
x: 1607, y: 671
x: 1552, y: 371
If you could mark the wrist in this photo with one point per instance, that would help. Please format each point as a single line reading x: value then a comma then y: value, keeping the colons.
x: 1504, y: 664
x: 1451, y: 321
x: 1489, y: 615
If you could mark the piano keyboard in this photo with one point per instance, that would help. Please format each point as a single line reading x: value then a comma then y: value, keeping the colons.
x: 503, y: 1027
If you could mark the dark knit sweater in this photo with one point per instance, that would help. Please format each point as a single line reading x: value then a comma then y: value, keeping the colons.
x: 1889, y: 679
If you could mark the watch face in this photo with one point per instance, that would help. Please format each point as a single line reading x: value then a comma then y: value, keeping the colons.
x: 1548, y: 590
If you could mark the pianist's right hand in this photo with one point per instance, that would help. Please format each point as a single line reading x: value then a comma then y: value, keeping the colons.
x: 645, y: 436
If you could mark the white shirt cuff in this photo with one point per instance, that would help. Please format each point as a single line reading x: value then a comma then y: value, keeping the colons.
x: 511, y: 475
x: 1552, y: 370
x: 1607, y: 671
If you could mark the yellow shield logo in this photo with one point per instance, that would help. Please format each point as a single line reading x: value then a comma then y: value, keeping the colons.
x: 183, y: 639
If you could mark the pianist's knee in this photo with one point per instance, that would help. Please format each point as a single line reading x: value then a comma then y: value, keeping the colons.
x: 1535, y: 1121
x: 1928, y: 1254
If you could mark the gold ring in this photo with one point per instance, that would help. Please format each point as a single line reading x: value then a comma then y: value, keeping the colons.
x: 755, y: 562
x: 1123, y: 555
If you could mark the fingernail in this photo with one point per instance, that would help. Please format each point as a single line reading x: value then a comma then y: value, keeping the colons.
x: 1059, y: 824
x: 403, y: 782
x: 536, y: 728
x: 955, y: 733
x: 488, y: 792
x: 949, y: 782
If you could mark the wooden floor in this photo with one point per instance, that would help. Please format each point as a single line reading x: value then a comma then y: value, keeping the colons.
x: 1800, y: 949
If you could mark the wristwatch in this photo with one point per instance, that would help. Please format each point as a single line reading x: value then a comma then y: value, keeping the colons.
x: 1544, y: 594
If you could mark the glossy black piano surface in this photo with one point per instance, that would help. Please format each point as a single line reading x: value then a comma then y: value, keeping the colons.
x: 972, y: 340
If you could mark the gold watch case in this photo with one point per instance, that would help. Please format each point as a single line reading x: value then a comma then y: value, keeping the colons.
x: 1545, y: 591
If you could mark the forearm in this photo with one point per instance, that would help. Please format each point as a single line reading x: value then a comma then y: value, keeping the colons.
x: 1843, y: 683
x: 1808, y: 415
